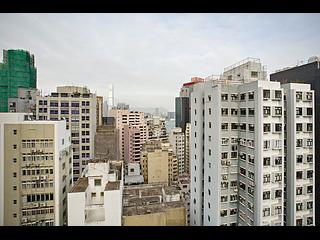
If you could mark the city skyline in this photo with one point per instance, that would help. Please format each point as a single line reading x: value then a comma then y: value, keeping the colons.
x: 148, y: 56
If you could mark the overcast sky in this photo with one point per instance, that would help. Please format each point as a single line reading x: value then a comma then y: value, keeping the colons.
x: 148, y: 56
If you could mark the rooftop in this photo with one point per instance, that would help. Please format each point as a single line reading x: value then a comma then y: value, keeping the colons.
x: 110, y: 186
x: 80, y: 185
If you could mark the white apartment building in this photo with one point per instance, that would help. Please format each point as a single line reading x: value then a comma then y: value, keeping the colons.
x: 187, y: 148
x: 237, y: 142
x: 300, y: 167
x: 96, y: 198
x: 78, y: 106
x: 177, y: 140
x: 35, y: 171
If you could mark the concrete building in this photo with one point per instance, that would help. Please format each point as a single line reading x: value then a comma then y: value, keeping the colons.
x: 96, y: 197
x: 99, y: 111
x: 156, y: 128
x: 158, y: 163
x: 237, y: 156
x: 110, y: 94
x: 153, y: 205
x: 187, y: 148
x: 133, y: 174
x: 177, y: 140
x: 25, y: 101
x: 17, y: 72
x: 308, y: 73
x: 78, y: 106
x: 299, y: 150
x: 184, y: 189
x: 106, y: 141
x: 132, y: 133
x: 35, y: 171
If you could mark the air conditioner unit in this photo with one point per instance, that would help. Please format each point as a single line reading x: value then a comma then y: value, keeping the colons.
x: 37, y: 178
x: 24, y: 220
x: 235, y: 189
x: 228, y: 163
x: 35, y: 205
x: 43, y: 204
x: 224, y: 177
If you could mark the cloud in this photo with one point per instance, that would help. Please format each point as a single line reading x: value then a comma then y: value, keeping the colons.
x: 148, y: 56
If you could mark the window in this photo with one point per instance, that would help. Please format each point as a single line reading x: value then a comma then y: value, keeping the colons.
x: 224, y: 97
x: 299, y: 127
x: 266, y: 212
x: 224, y: 141
x: 266, y: 94
x: 266, y: 144
x: 209, y: 152
x: 278, y: 193
x: 309, y: 205
x: 277, y: 210
x: 251, y: 95
x: 243, y: 111
x: 251, y: 127
x: 251, y: 159
x: 309, y: 127
x: 266, y: 178
x: 251, y: 191
x: 14, y: 160
x: 299, y: 143
x: 14, y: 174
x: 14, y: 146
x: 299, y: 111
x: 93, y: 194
x: 298, y: 96
x: 224, y: 126
x: 242, y: 185
x: 309, y: 158
x: 251, y: 175
x: 277, y: 94
x: 278, y: 177
x: 233, y: 211
x: 266, y: 195
x: 299, y: 206
x: 234, y: 112
x: 278, y: 111
x: 299, y: 190
x: 224, y: 155
x: 299, y: 174
x: 223, y: 213
x: 209, y: 138
x: 309, y: 220
x: 243, y: 126
x: 278, y: 161
x: 224, y: 198
x: 299, y: 222
x: 266, y: 161
x: 309, y: 111
x: 309, y: 143
x: 195, y: 100
x: 224, y: 111
x: 209, y: 98
x: 266, y: 111
x: 278, y: 127
x: 234, y: 126
x: 254, y: 74
x: 266, y: 127
x: 243, y: 97
x: 234, y: 97
x: 97, y: 182
x: 242, y: 171
x: 209, y: 111
x: 310, y: 174
x: 251, y: 111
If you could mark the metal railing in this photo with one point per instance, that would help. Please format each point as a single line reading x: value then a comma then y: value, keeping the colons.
x: 249, y: 59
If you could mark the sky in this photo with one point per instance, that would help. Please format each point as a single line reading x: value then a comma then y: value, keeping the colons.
x: 147, y: 57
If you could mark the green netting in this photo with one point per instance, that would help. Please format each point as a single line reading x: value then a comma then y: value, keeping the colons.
x: 16, y: 71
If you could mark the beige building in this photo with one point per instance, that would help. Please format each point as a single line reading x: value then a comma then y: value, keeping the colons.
x: 78, y: 106
x: 153, y: 205
x: 132, y: 133
x: 158, y: 163
x: 99, y: 110
x: 187, y: 148
x: 35, y: 171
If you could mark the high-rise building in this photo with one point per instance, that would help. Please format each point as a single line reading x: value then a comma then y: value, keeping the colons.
x: 177, y: 140
x: 35, y: 171
x: 96, y: 197
x: 78, y: 106
x: 16, y: 72
x: 182, y: 104
x: 158, y: 163
x: 187, y: 148
x: 106, y: 142
x: 132, y: 133
x: 99, y: 111
x: 309, y: 73
x: 110, y: 97
x: 123, y: 106
x: 238, y: 162
x: 156, y: 128
x: 153, y: 205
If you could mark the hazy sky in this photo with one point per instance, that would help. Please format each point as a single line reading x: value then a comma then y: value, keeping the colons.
x: 148, y: 56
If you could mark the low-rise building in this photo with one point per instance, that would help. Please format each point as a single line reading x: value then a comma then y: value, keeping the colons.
x: 153, y: 205
x: 96, y: 197
x: 184, y: 189
x: 133, y: 174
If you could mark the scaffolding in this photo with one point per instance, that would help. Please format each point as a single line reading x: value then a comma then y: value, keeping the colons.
x: 16, y: 71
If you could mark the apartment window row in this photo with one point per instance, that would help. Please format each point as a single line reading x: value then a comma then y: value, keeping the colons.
x: 305, y: 96
x: 277, y: 161
x: 42, y: 211
x: 266, y: 211
x: 246, y: 142
x: 306, y: 142
x: 37, y: 143
x: 34, y: 157
x: 38, y: 171
x: 304, y: 174
x: 276, y: 94
x: 307, y: 189
x: 38, y: 197
x: 305, y: 127
x: 276, y: 111
x: 303, y: 206
x: 272, y: 144
x: 277, y: 127
x: 308, y: 220
x: 37, y: 184
x: 224, y: 212
x: 306, y: 111
x: 307, y: 158
x: 277, y: 177
x: 277, y: 193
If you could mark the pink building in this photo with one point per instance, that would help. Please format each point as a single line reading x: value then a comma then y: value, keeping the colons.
x: 132, y: 131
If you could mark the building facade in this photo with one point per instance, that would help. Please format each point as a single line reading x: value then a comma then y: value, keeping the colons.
x: 96, y: 197
x: 156, y: 128
x: 36, y: 171
x: 78, y: 107
x: 99, y: 111
x: 308, y: 73
x: 16, y: 72
x: 177, y: 140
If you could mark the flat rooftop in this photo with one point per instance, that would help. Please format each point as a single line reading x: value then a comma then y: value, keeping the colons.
x: 110, y: 186
x: 149, y: 198
x: 80, y: 185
